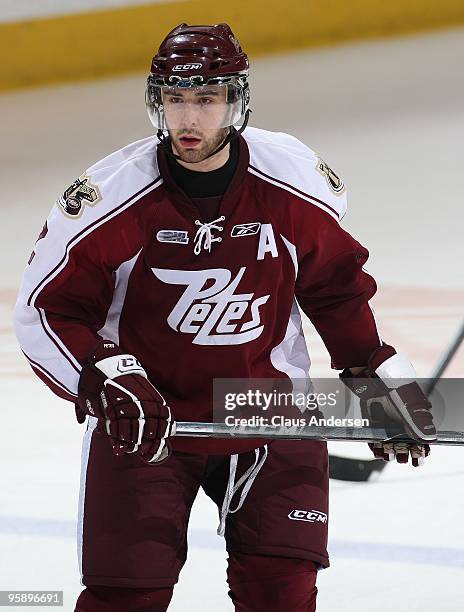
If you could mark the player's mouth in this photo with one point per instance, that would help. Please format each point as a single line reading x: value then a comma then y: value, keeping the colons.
x: 189, y: 142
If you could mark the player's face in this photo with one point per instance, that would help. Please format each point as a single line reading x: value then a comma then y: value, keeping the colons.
x: 196, y: 118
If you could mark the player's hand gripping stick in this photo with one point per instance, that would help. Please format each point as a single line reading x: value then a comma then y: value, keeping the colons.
x: 382, y: 397
x: 113, y: 386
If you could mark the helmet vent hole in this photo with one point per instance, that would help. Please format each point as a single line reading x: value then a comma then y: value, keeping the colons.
x: 186, y: 51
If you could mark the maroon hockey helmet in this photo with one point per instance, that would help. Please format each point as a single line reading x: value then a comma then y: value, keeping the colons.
x: 206, y: 51
x: 195, y: 57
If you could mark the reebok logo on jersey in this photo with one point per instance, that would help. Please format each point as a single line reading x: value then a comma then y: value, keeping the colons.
x: 81, y: 192
x: 310, y: 516
x: 245, y: 229
x: 209, y: 308
x: 173, y: 236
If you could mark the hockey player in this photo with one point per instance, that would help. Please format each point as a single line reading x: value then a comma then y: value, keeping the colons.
x: 182, y: 258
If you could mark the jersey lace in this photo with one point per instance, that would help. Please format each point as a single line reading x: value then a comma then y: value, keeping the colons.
x: 204, y: 237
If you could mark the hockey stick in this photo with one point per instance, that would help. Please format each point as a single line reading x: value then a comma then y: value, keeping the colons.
x: 322, y: 433
x: 445, y: 360
x: 353, y: 470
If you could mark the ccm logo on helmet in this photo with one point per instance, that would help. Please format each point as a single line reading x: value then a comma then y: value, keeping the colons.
x: 311, y: 516
x: 180, y: 67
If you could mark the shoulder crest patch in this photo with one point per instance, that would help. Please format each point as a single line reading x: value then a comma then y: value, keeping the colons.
x: 80, y: 193
x: 333, y: 180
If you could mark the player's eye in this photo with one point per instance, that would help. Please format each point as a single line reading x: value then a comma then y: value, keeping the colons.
x: 206, y: 101
x: 175, y: 100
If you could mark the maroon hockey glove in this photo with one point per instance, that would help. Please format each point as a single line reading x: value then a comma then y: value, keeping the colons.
x: 382, y: 398
x: 114, y: 387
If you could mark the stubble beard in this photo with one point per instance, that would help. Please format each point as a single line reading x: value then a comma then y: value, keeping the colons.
x: 208, y: 144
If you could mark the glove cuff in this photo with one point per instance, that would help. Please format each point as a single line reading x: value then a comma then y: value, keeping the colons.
x: 108, y: 358
x: 386, y: 363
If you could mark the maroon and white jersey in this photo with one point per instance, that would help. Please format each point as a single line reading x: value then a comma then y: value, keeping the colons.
x: 125, y: 255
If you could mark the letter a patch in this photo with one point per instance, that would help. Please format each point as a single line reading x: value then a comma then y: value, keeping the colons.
x: 267, y: 243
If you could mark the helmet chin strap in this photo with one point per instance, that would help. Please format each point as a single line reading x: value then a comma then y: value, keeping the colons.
x: 233, y: 133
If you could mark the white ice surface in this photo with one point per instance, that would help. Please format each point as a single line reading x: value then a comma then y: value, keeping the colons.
x: 388, y: 116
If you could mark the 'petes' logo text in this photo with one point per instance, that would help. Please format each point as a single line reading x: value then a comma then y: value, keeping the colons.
x: 210, y: 309
x: 311, y: 516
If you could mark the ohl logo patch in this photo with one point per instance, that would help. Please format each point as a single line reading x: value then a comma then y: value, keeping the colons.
x: 209, y: 308
x: 79, y: 193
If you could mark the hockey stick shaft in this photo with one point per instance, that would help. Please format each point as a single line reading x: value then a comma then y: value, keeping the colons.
x: 444, y: 361
x: 329, y: 434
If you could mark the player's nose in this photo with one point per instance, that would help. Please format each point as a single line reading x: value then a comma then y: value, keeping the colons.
x: 191, y: 115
